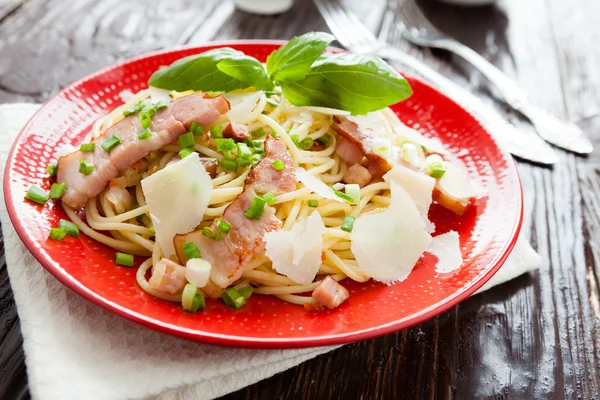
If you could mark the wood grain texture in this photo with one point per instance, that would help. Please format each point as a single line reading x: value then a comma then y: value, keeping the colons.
x: 535, y: 337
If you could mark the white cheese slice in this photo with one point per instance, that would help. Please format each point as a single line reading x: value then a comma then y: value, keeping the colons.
x: 418, y: 185
x: 456, y: 184
x: 158, y: 94
x: 243, y: 106
x: 388, y: 245
x: 177, y: 197
x: 65, y: 150
x: 446, y: 248
x: 316, y: 185
x: 297, y: 253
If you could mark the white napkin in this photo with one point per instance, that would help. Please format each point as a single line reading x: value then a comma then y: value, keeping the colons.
x: 75, y: 349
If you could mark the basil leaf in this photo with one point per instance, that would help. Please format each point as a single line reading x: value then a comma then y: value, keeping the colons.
x: 292, y: 61
x: 200, y: 72
x: 359, y: 84
x: 246, y: 69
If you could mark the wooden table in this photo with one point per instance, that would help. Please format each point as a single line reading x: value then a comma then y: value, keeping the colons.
x: 535, y: 337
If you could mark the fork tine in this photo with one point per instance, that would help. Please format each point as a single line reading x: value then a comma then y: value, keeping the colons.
x: 412, y: 16
x: 368, y: 36
x: 344, y: 25
x: 325, y: 9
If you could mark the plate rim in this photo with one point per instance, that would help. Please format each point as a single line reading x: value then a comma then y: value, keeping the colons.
x: 244, y: 341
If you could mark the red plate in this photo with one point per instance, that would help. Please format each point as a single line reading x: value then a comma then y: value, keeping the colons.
x: 488, y: 230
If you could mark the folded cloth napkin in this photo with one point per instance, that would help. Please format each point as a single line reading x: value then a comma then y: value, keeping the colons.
x: 75, y: 349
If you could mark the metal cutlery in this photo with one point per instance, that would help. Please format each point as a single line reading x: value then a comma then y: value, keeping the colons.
x: 416, y: 28
x: 353, y: 35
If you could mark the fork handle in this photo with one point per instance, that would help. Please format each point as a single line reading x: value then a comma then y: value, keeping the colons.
x: 530, y: 148
x: 507, y: 87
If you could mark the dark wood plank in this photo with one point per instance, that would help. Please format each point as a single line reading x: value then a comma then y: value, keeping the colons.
x: 535, y: 337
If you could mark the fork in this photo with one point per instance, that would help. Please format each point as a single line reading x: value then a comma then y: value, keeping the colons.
x: 354, y: 36
x: 417, y: 29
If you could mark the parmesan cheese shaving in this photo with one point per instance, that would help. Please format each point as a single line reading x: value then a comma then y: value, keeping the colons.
x: 456, y: 185
x: 177, y: 198
x: 446, y: 248
x: 243, y: 105
x: 388, y: 245
x: 418, y: 186
x: 316, y: 185
x: 297, y: 253
x: 158, y: 94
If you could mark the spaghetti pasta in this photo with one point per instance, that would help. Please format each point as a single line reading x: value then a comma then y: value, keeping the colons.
x: 132, y: 229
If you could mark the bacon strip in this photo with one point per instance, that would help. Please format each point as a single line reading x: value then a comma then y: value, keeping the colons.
x: 244, y: 241
x: 330, y: 293
x: 167, y: 125
x: 264, y: 177
x: 237, y: 132
x: 363, y: 138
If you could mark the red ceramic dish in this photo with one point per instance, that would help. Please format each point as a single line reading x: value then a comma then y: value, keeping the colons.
x: 488, y: 230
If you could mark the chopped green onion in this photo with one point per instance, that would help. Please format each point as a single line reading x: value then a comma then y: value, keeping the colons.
x: 136, y: 109
x: 57, y: 233
x: 246, y: 291
x: 145, y: 119
x: 151, y: 156
x: 57, y: 190
x: 313, y: 203
x: 243, y: 150
x: 160, y: 105
x: 87, y: 147
x: 198, y: 303
x: 256, y: 208
x: 191, y: 250
x: 278, y: 165
x: 124, y: 259
x: 323, y: 139
x: 210, y: 233
x: 306, y: 143
x: 343, y: 195
x: 110, y: 143
x: 348, y: 223
x: 294, y: 139
x: 186, y: 140
x: 216, y: 131
x: 272, y: 102
x: 269, y: 198
x: 85, y: 167
x: 52, y: 169
x: 191, y: 300
x: 246, y: 160
x: 260, y: 132
x: 183, y: 153
x: 150, y: 110
x: 233, y: 298
x: 37, y: 195
x: 144, y: 134
x: 254, y: 144
x: 224, y: 145
x: 229, y: 164
x: 196, y: 128
x: 71, y: 228
x: 353, y: 190
x: 272, y: 93
x: 223, y: 226
x: 255, y: 159
x: 437, y: 170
